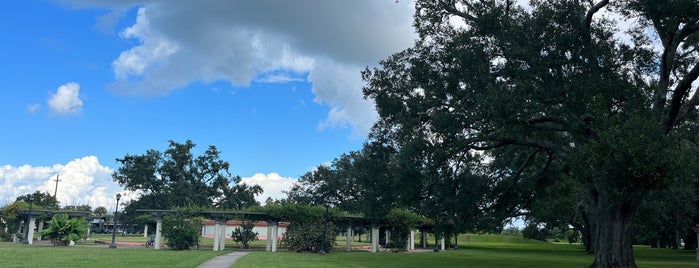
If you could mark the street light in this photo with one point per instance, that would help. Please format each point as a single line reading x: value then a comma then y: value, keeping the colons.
x: 29, y: 216
x: 325, y: 230
x: 113, y: 244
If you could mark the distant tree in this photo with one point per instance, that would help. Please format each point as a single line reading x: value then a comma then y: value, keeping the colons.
x: 41, y: 200
x: 100, y: 212
x: 237, y: 195
x: 176, y: 178
x: 85, y: 208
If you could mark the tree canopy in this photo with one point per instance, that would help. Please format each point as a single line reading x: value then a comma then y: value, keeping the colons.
x: 177, y: 178
x: 515, y: 103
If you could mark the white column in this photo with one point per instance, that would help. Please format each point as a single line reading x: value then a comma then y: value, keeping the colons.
x: 145, y: 230
x: 350, y: 237
x: 30, y: 233
x: 222, y: 233
x: 269, y: 237
x: 441, y: 241
x: 388, y: 236
x: 41, y: 228
x: 275, y: 236
x: 217, y: 229
x: 424, y: 238
x: 374, y: 239
x: 203, y: 230
x: 158, y: 228
x: 411, y: 241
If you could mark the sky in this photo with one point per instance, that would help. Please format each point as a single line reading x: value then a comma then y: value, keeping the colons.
x: 274, y: 85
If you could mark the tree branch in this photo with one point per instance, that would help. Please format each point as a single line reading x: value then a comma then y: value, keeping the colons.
x: 451, y: 9
x: 588, y: 17
x: 678, y: 110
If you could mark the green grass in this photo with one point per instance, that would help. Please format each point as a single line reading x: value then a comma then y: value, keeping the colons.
x: 475, y: 251
x: 19, y: 255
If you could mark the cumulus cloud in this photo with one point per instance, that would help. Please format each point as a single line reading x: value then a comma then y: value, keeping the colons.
x: 244, y: 41
x: 82, y: 181
x: 273, y: 184
x: 66, y: 100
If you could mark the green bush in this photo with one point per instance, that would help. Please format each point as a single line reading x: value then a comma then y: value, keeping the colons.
x: 401, y: 222
x: 532, y: 231
x: 244, y: 234
x: 181, y: 231
x: 306, y: 236
x: 62, y: 229
x: 305, y: 233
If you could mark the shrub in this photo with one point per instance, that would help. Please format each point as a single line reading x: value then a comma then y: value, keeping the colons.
x: 62, y: 229
x: 307, y: 236
x: 401, y: 222
x: 305, y: 233
x: 532, y: 231
x: 244, y: 234
x: 181, y: 231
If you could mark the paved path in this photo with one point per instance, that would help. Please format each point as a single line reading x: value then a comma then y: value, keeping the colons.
x: 223, y: 261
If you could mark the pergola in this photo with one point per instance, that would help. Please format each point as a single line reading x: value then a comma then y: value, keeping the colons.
x: 221, y: 217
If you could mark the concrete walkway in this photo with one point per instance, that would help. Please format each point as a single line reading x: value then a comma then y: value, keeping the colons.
x: 223, y: 261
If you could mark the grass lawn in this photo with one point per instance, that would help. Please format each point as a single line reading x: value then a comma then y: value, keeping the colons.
x: 20, y: 255
x: 475, y: 251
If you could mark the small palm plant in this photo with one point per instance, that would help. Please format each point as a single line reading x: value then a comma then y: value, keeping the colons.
x: 63, y: 229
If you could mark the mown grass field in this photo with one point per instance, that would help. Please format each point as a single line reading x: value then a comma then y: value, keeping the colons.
x: 475, y: 251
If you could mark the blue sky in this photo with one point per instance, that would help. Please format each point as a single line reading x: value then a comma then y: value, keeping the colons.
x: 274, y: 85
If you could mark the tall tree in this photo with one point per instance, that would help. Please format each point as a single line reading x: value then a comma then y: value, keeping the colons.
x: 550, y: 93
x: 176, y: 178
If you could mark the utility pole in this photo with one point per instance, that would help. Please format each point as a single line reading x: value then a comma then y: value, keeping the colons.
x: 56, y: 191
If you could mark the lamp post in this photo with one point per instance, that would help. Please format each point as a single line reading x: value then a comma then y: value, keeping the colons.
x: 325, y: 230
x: 29, y: 217
x: 113, y: 244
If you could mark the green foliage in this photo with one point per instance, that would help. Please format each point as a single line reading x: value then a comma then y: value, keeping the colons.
x: 307, y: 236
x: 41, y: 200
x: 401, y: 222
x: 305, y: 232
x: 244, y: 233
x: 534, y: 231
x: 62, y: 229
x: 511, y: 231
x: 612, y: 119
x: 11, y: 219
x: 178, y: 178
x: 181, y: 230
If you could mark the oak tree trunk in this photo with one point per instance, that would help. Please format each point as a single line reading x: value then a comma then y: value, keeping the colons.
x: 611, y: 222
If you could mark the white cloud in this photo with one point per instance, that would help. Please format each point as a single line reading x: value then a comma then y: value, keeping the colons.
x: 243, y: 41
x: 82, y: 181
x: 33, y: 108
x: 273, y: 184
x: 66, y: 100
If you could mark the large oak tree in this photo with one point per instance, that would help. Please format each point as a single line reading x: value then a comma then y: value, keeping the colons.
x: 555, y: 92
x: 176, y: 178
